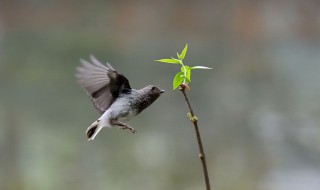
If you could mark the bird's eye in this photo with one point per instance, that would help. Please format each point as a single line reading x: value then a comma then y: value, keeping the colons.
x: 153, y: 88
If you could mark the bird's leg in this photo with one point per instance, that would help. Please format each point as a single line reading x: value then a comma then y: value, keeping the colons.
x: 122, y: 125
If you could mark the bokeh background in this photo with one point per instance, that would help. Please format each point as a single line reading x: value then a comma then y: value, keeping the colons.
x: 259, y: 107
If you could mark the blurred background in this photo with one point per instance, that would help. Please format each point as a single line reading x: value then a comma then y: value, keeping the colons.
x: 258, y: 108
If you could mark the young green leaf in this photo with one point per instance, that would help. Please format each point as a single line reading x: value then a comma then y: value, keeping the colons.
x: 178, y: 56
x: 183, y: 53
x: 177, y: 80
x: 185, y: 67
x: 188, y: 72
x: 200, y: 67
x: 189, y: 75
x: 174, y: 61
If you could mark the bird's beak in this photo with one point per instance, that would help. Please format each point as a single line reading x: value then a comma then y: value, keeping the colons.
x: 162, y: 91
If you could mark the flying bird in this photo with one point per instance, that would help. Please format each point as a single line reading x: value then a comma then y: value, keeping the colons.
x: 112, y: 95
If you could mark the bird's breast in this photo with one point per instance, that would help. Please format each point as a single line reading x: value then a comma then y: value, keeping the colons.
x: 122, y: 110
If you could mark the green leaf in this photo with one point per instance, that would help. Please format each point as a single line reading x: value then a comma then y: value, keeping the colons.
x: 177, y: 80
x: 183, y: 53
x: 187, y: 68
x: 200, y: 67
x: 174, y: 61
x: 178, y: 56
x: 189, y: 75
x: 188, y: 72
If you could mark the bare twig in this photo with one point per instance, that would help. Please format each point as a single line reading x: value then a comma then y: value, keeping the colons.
x: 194, y: 120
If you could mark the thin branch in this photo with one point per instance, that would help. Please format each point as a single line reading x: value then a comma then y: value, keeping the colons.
x: 194, y: 120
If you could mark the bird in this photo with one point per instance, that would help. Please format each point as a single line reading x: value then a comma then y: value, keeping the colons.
x: 112, y: 95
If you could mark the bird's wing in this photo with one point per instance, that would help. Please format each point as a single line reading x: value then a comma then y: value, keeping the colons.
x: 102, y: 82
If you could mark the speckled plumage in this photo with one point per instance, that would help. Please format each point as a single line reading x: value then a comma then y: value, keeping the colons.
x: 112, y: 95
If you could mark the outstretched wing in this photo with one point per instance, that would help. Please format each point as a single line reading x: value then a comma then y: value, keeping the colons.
x: 102, y: 82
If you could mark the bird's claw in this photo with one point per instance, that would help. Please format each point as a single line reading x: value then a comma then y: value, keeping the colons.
x: 127, y: 127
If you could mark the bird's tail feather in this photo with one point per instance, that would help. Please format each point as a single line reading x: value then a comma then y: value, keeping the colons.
x: 93, y: 130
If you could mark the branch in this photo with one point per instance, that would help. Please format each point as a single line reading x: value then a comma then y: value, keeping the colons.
x: 194, y: 120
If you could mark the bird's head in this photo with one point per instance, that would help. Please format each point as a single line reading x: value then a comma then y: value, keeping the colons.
x: 152, y: 92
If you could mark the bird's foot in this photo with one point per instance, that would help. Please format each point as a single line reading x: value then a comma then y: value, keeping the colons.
x: 124, y: 127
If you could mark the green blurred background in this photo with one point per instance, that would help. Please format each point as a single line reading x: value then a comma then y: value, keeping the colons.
x: 259, y: 107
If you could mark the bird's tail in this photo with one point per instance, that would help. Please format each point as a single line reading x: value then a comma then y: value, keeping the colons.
x: 93, y: 130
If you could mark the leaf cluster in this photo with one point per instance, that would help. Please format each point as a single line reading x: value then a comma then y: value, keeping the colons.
x: 184, y: 75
